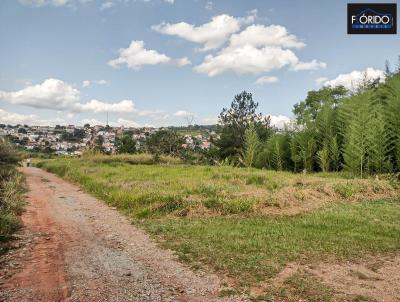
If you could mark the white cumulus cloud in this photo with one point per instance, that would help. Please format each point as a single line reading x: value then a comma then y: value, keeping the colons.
x: 107, y: 5
x: 261, y: 35
x: 15, y: 118
x: 312, y: 65
x: 247, y: 59
x: 354, y: 79
x: 319, y: 81
x: 255, y: 50
x: 58, y: 95
x: 266, y: 80
x: 125, y: 123
x: 40, y: 3
x: 98, y: 106
x: 279, y: 121
x: 183, y: 61
x: 212, y: 34
x: 135, y: 56
x: 183, y: 113
x: 51, y: 94
x: 29, y: 119
x: 120, y: 122
x: 87, y: 83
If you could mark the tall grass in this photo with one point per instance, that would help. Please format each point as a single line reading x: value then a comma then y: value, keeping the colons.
x: 11, y: 190
x: 133, y: 159
x: 142, y: 190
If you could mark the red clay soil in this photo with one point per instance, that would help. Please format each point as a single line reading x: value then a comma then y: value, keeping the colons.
x: 82, y: 250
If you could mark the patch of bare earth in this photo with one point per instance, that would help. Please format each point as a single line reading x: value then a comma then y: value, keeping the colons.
x: 79, y: 249
x: 375, y: 278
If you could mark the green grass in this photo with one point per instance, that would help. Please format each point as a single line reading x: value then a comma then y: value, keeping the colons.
x: 12, y: 188
x: 143, y: 190
x: 255, y: 248
x: 211, y: 215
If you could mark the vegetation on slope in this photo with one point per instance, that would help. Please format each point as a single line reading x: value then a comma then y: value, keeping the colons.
x: 11, y: 190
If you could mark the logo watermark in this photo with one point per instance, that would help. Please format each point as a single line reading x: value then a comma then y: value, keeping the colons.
x: 371, y: 18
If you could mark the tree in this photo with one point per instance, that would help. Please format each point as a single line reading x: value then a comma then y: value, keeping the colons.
x: 356, y: 137
x: 8, y: 154
x: 275, y: 153
x: 251, y: 144
x: 165, y: 142
x: 388, y: 72
x: 307, y: 110
x: 79, y: 133
x: 126, y: 144
x: 389, y: 94
x: 303, y: 149
x: 334, y: 152
x: 379, y: 142
x: 323, y: 158
x: 398, y: 65
x: 236, y: 120
x: 99, y: 143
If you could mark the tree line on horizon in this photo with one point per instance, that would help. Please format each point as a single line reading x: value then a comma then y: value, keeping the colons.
x: 335, y: 129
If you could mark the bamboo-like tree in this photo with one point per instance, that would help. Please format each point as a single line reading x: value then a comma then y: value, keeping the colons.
x: 304, y: 148
x: 251, y: 145
x: 323, y: 159
x: 357, y: 113
x: 334, y: 152
x: 390, y: 92
x: 379, y: 138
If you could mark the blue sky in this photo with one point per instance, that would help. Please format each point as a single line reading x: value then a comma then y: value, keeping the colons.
x: 71, y: 61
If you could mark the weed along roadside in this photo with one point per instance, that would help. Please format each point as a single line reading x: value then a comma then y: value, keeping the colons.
x: 12, y: 187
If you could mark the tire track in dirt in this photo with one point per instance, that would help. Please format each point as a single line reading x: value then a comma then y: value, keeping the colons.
x: 86, y: 251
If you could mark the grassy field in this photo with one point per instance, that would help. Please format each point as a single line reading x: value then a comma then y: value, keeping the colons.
x: 246, y: 223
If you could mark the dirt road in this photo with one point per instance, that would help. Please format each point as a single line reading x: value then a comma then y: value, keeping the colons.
x: 82, y: 250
